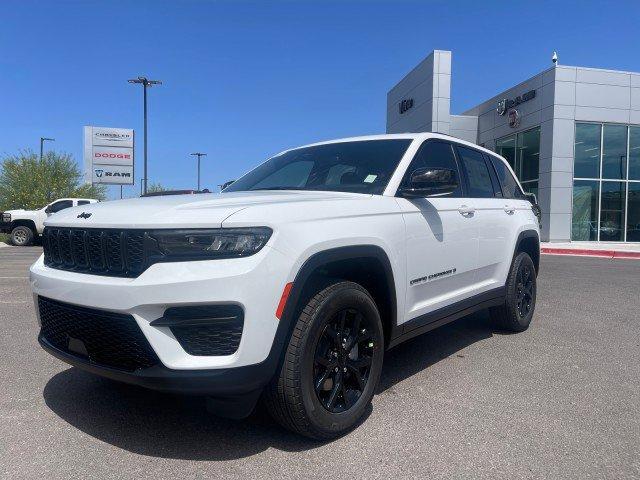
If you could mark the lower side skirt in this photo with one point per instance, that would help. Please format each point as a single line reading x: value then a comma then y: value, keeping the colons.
x: 442, y: 316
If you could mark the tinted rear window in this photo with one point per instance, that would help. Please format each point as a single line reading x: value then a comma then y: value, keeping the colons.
x: 510, y: 188
x: 480, y: 185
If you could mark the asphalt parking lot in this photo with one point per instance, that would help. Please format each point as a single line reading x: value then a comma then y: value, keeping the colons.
x: 561, y: 400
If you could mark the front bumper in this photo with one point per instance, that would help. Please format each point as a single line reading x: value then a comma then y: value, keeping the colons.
x: 255, y: 283
x: 223, y: 382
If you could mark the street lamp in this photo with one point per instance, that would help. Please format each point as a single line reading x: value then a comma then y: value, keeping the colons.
x: 42, y: 140
x: 145, y: 82
x: 198, y: 154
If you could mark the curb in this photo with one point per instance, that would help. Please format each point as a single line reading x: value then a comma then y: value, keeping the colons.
x: 585, y: 252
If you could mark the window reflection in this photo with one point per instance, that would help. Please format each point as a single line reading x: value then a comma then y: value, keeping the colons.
x: 587, y: 151
x: 614, y: 151
x: 633, y: 214
x: 600, y: 201
x: 522, y: 151
x: 634, y: 153
x: 612, y: 211
x: 584, y: 225
x: 528, y: 154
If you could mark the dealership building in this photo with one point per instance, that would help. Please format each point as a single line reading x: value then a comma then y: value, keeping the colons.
x: 571, y: 134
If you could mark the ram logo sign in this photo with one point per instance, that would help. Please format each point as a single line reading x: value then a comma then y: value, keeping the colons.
x: 108, y: 155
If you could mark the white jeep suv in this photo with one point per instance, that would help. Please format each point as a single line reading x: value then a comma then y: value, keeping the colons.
x: 291, y: 283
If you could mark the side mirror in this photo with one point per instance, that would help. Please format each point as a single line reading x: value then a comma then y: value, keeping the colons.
x: 534, y: 206
x: 47, y: 210
x: 425, y: 182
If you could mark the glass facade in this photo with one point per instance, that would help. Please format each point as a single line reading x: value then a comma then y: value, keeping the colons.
x: 586, y: 194
x: 606, y: 185
x: 522, y: 151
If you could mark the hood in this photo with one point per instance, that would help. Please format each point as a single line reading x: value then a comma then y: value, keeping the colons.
x: 182, y: 211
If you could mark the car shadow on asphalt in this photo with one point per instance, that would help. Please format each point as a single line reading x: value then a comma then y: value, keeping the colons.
x: 174, y: 426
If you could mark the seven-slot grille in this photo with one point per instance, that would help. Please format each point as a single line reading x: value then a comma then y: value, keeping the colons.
x: 103, y: 338
x: 118, y: 253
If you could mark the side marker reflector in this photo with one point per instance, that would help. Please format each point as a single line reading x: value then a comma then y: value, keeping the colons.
x: 283, y: 300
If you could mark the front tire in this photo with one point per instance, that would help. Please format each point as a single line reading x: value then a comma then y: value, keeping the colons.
x: 332, y: 364
x: 520, y: 301
x: 22, y: 236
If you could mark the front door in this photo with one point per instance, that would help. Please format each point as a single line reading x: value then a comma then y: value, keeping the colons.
x: 441, y: 239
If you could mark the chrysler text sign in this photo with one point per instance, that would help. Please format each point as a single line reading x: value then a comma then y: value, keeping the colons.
x: 108, y: 155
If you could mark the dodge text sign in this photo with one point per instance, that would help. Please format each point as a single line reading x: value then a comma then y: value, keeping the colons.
x: 108, y: 155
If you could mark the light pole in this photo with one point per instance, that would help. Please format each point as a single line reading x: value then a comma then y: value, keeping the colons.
x: 198, y: 154
x: 42, y: 140
x: 145, y: 82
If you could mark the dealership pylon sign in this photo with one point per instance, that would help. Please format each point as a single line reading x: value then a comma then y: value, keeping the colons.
x: 108, y: 155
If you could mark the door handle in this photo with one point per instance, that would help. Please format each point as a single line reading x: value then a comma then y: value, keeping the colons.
x: 466, y: 211
x: 509, y: 209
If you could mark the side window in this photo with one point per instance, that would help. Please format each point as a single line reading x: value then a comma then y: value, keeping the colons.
x: 510, y: 187
x: 435, y: 155
x: 61, y: 205
x: 497, y: 189
x: 478, y: 177
x: 83, y: 202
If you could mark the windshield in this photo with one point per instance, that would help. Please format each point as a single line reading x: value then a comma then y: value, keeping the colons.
x: 358, y: 167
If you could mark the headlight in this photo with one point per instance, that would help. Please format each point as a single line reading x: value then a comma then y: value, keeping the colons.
x: 6, y: 217
x: 210, y: 243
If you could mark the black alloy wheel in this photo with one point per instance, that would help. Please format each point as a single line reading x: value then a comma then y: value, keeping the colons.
x: 332, y: 364
x: 520, y: 297
x: 342, y: 360
x: 524, y: 289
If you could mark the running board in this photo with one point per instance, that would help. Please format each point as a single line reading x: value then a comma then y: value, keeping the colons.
x: 432, y: 320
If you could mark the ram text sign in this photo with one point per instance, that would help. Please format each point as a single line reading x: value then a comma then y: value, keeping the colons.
x: 108, y: 155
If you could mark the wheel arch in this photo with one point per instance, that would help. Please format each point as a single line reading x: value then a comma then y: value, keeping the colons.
x: 529, y: 242
x: 23, y: 222
x: 367, y: 265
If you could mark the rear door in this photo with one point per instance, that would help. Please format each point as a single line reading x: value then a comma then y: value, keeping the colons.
x: 441, y: 239
x: 517, y: 210
x: 492, y: 217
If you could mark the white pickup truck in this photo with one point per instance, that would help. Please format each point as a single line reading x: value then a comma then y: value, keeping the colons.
x: 25, y: 225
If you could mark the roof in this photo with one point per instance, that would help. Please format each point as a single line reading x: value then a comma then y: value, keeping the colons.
x: 396, y: 136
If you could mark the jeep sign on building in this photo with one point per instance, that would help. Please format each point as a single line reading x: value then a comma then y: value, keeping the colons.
x: 108, y: 155
x: 571, y: 134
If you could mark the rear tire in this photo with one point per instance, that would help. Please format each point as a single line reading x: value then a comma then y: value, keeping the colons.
x: 21, y: 236
x: 331, y: 366
x: 520, y: 301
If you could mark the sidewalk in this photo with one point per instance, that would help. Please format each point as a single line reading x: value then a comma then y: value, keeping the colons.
x: 592, y: 249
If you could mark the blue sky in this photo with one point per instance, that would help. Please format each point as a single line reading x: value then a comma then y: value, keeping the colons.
x: 245, y: 80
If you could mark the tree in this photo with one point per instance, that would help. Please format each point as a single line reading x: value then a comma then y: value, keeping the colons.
x: 155, y: 187
x: 26, y: 182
